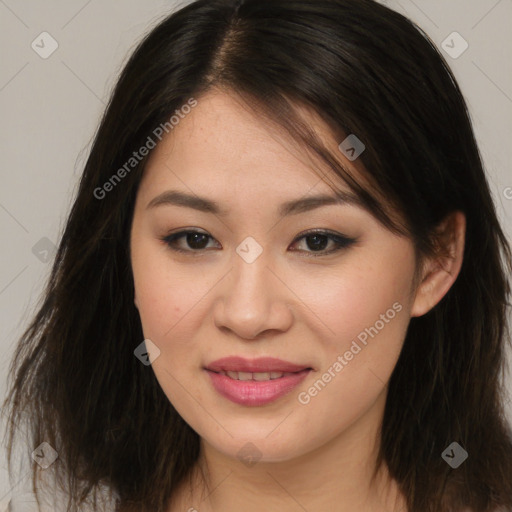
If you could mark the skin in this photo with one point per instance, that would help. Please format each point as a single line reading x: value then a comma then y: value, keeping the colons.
x: 289, y: 304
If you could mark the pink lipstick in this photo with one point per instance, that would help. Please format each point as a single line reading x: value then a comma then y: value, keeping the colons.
x: 255, y: 382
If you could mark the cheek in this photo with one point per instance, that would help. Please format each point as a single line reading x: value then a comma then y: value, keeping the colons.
x: 363, y: 308
x: 354, y: 297
x: 169, y: 301
x: 166, y: 307
x: 164, y: 294
x: 366, y: 310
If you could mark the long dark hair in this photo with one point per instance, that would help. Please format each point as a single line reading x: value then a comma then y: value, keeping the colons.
x: 368, y: 71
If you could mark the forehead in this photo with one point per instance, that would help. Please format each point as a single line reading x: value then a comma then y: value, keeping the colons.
x: 225, y: 146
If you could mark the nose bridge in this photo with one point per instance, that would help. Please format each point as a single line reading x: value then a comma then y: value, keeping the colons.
x: 251, y: 301
x: 250, y: 274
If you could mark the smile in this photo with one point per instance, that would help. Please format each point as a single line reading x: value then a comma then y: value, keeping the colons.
x: 255, y: 389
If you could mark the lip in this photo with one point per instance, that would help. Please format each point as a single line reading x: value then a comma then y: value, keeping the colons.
x: 255, y: 393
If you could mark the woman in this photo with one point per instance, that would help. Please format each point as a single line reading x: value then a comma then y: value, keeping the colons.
x: 198, y: 348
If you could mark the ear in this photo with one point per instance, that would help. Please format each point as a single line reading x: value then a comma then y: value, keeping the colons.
x: 440, y: 271
x: 135, y: 301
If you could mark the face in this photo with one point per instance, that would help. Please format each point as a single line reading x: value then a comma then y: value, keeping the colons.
x: 311, y: 303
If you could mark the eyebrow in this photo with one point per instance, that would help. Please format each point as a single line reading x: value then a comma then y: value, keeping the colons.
x: 306, y: 204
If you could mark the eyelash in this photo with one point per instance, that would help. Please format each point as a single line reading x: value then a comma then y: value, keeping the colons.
x: 341, y: 242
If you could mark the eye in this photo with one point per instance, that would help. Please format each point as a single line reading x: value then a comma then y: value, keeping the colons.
x: 195, y: 239
x: 316, y: 241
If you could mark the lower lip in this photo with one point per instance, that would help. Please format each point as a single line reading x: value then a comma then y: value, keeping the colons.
x: 254, y: 393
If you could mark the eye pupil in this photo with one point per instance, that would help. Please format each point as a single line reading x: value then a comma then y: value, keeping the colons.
x: 192, y: 239
x: 317, y: 246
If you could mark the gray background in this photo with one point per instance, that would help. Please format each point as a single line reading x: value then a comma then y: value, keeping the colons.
x: 51, y: 108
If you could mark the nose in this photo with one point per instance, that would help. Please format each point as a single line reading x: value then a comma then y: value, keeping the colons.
x: 252, y: 300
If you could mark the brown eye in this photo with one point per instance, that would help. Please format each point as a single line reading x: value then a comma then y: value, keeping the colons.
x: 317, y: 241
x: 195, y: 240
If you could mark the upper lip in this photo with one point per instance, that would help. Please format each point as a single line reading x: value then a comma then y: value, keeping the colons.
x: 259, y: 365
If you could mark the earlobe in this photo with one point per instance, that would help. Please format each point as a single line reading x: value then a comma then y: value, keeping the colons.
x: 135, y: 301
x: 440, y: 272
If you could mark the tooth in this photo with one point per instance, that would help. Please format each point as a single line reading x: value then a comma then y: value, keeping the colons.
x: 257, y: 376
x: 261, y: 376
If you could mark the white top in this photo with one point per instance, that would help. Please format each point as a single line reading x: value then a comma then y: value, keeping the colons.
x: 21, y: 497
x: 51, y: 497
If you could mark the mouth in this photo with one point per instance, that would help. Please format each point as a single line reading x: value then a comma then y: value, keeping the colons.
x: 255, y: 382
